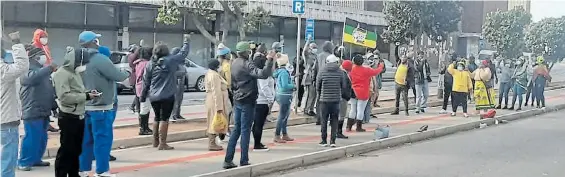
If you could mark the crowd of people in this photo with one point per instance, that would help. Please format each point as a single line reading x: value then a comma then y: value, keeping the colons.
x: 241, y: 87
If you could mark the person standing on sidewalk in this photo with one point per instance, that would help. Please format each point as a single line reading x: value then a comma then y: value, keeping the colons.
x: 11, y: 68
x: 447, y: 83
x: 299, y: 72
x: 327, y: 50
x: 462, y: 85
x: 520, y: 81
x: 402, y: 85
x: 345, y: 98
x: 422, y: 78
x: 101, y: 76
x: 332, y: 87
x: 108, y: 53
x: 144, y: 107
x: 310, y: 54
x: 224, y: 54
x: 360, y: 82
x: 244, y: 85
x: 505, y: 84
x: 285, y: 87
x: 265, y: 99
x: 159, y: 82
x: 483, y: 88
x: 179, y: 92
x: 471, y: 67
x: 217, y: 102
x: 133, y: 57
x: 540, y: 78
x: 530, y: 75
x: 38, y: 96
x: 71, y: 99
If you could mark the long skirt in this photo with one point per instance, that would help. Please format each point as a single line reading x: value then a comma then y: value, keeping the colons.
x: 483, y: 99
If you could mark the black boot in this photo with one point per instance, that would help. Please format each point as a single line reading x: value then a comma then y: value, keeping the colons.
x: 340, y: 130
x: 144, y: 125
x: 396, y: 111
x: 350, y: 123
x: 360, y: 126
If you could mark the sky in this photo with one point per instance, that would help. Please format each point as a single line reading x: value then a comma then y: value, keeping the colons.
x: 547, y: 8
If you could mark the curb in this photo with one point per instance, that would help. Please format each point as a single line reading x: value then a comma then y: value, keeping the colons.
x: 356, y: 149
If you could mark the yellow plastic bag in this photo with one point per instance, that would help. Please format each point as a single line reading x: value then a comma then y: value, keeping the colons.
x: 220, y: 123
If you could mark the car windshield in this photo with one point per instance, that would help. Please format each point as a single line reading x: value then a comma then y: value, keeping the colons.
x: 118, y: 58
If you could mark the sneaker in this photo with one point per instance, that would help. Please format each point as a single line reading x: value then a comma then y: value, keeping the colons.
x: 105, y: 174
x: 42, y: 164
x: 22, y: 168
x: 417, y: 112
x: 443, y: 111
x: 112, y: 158
x: 423, y: 110
x: 465, y: 115
x: 228, y: 165
x: 260, y: 148
x: 333, y: 145
x: 453, y: 114
x: 83, y: 174
x: 323, y: 144
x: 542, y: 108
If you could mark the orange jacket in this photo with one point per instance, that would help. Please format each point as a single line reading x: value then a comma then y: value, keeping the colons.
x: 36, y: 36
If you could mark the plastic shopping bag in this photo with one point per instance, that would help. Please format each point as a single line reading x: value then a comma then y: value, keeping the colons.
x: 382, y: 132
x: 220, y: 123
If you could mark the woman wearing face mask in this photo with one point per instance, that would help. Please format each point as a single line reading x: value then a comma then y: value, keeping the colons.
x: 462, y: 85
x: 483, y: 88
x: 520, y: 83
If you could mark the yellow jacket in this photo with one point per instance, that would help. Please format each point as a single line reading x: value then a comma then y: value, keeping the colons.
x: 461, y: 79
x: 225, y: 71
x: 401, y: 73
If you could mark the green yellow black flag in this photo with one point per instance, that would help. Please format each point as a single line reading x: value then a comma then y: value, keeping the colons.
x: 355, y: 32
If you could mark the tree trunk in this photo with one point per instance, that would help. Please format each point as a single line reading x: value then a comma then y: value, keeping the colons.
x: 225, y: 27
x: 203, y: 30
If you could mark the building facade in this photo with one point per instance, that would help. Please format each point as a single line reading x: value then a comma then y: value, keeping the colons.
x: 127, y: 22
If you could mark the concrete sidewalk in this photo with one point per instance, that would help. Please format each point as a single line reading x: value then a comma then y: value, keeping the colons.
x: 192, y: 158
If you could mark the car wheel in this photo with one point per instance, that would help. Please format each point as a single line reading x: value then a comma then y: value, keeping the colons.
x: 199, y: 86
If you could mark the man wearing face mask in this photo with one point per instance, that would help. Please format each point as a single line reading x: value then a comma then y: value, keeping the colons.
x: 310, y: 53
x: 38, y: 97
x: 422, y: 78
x: 100, y: 76
x: 505, y: 84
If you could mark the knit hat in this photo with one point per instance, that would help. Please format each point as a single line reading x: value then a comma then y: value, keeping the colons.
x: 242, y: 46
x: 222, y: 50
x: 347, y: 65
x: 282, y: 60
x: 332, y: 59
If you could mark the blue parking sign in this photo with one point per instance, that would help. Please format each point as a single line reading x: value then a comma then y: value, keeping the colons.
x: 298, y: 6
x: 309, y: 33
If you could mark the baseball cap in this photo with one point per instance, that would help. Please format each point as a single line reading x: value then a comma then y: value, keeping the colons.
x: 332, y: 59
x: 242, y: 46
x: 277, y: 45
x: 87, y: 36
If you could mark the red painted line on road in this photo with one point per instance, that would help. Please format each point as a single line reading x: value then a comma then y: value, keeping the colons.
x: 296, y: 141
x: 135, y: 118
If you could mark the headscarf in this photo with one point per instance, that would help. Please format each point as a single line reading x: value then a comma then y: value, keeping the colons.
x: 35, y: 42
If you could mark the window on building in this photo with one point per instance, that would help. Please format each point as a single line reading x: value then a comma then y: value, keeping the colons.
x: 290, y: 27
x: 142, y: 17
x: 65, y: 12
x: 101, y: 14
x: 23, y: 11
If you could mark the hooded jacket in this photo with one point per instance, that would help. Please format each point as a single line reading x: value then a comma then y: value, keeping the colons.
x: 132, y: 59
x: 159, y: 79
x: 37, y: 93
x: 10, y: 110
x: 361, y: 80
x: 69, y: 87
x: 37, y: 43
x: 310, y: 58
x: 101, y: 75
x: 331, y: 84
x: 327, y: 50
x: 139, y: 71
x: 284, y: 82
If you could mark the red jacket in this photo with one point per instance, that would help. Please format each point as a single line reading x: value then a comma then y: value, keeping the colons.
x: 361, y: 80
x: 36, y: 36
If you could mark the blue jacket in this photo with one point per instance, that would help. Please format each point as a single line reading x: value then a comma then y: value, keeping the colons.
x: 284, y: 82
x: 101, y: 75
x: 159, y: 80
x: 37, y: 93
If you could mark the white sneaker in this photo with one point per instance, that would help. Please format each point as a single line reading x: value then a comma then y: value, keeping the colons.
x: 453, y: 114
x: 443, y: 111
x: 83, y: 174
x: 105, y: 174
x: 465, y: 115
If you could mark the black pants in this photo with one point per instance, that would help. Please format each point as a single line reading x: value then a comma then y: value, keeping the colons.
x: 135, y: 104
x: 446, y: 94
x: 179, y: 96
x: 413, y: 87
x: 261, y: 112
x: 230, y: 95
x: 459, y: 99
x: 401, y: 90
x: 163, y: 109
x: 530, y: 93
x: 300, y: 91
x: 330, y: 112
x: 71, y: 135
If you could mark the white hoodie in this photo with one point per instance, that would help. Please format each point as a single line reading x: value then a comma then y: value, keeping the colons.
x: 10, y: 109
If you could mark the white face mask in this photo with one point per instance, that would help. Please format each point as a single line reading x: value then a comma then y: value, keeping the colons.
x: 460, y: 68
x: 97, y: 42
x: 507, y: 65
x: 314, y: 50
x: 43, y: 40
x: 80, y: 69
x: 518, y: 63
x: 42, y: 59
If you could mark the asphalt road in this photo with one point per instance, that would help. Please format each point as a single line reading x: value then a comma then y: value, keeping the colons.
x: 527, y: 148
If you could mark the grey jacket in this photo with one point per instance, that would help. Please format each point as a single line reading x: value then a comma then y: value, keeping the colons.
x: 159, y: 80
x: 327, y: 50
x: 310, y: 58
x: 69, y: 87
x: 101, y: 75
x: 244, y: 77
x: 330, y: 83
x: 10, y: 109
x: 37, y: 93
x: 506, y: 75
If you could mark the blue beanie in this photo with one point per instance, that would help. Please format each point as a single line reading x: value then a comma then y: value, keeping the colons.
x: 105, y: 51
x: 223, y: 51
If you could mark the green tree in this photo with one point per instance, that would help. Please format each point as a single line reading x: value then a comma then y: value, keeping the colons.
x: 504, y: 30
x: 549, y: 33
x: 202, y: 10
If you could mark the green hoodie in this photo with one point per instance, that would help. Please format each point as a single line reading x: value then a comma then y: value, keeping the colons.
x: 69, y: 88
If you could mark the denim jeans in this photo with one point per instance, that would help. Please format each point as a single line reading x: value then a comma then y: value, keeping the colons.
x: 539, y: 88
x: 357, y: 110
x: 367, y: 115
x: 243, y: 117
x: 34, y: 142
x: 97, y: 142
x: 422, y: 94
x: 504, y: 89
x: 10, y: 141
x: 284, y: 102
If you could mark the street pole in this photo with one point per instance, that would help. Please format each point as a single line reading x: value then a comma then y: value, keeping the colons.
x: 296, y: 77
x: 440, y: 81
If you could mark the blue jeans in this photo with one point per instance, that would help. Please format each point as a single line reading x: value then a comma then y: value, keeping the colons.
x: 34, y: 142
x: 367, y: 115
x: 10, y: 141
x: 422, y: 94
x: 539, y: 89
x: 243, y: 117
x: 284, y: 102
x: 97, y: 142
x: 504, y: 89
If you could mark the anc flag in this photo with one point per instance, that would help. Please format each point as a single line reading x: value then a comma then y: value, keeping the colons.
x: 355, y: 32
